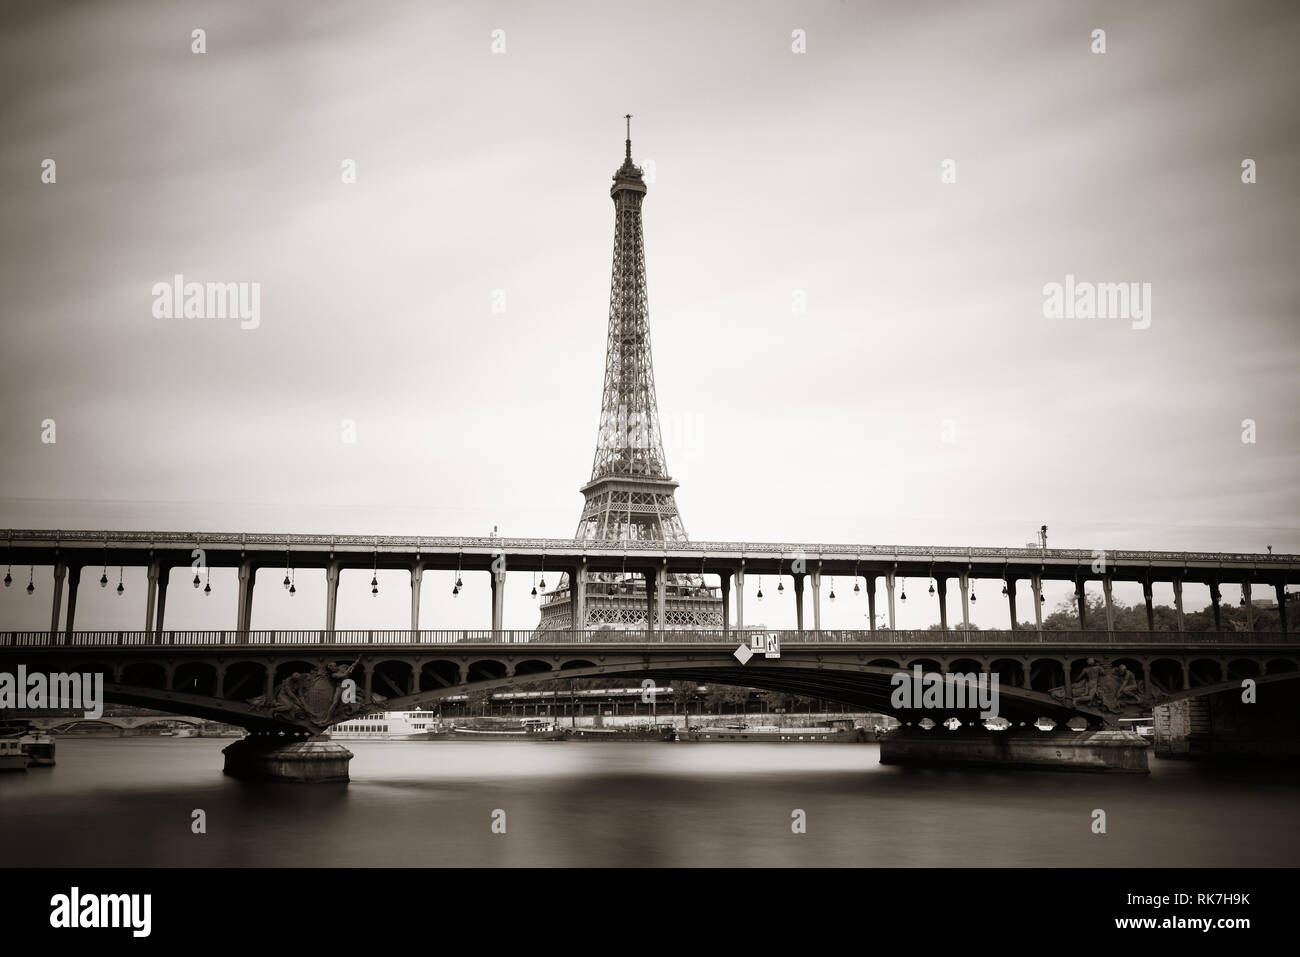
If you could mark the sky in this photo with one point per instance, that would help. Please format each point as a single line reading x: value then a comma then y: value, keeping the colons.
x: 452, y: 302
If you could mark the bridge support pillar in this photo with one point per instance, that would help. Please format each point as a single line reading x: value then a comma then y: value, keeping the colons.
x: 1215, y: 596
x: 889, y: 587
x: 1281, y: 605
x: 740, y: 597
x: 650, y: 583
x: 817, y: 600
x: 498, y: 597
x: 578, y: 598
x: 661, y: 599
x: 871, y: 600
x: 964, y: 581
x: 417, y: 575
x: 1245, y: 601
x: 74, y: 580
x: 151, y: 597
x: 1178, y: 602
x: 60, y: 570
x: 724, y: 579
x: 331, y: 595
x: 313, y: 760
x: 798, y: 601
x: 1106, y: 586
x: 247, y: 577
x: 1011, y: 603
x: 1081, y: 603
x: 941, y: 585
x: 1037, y: 584
x: 164, y: 577
x: 1151, y: 609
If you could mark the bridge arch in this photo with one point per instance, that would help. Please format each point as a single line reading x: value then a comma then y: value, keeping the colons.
x: 145, y: 674
x: 1166, y: 675
x: 196, y: 677
x: 243, y: 680
x: 1239, y: 668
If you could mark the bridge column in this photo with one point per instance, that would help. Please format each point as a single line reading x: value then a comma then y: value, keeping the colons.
x: 1151, y: 610
x: 331, y: 595
x: 740, y: 597
x: 498, y: 579
x: 724, y: 579
x: 1215, y: 595
x: 417, y: 575
x: 941, y: 585
x: 74, y: 580
x: 164, y: 577
x: 578, y: 597
x: 1106, y: 585
x: 247, y: 577
x: 817, y: 600
x: 964, y: 581
x: 1280, y: 590
x: 1081, y: 602
x: 1036, y: 583
x: 1178, y: 602
x: 1011, y: 603
x: 60, y: 570
x: 650, y: 576
x: 871, y: 600
x: 798, y: 601
x: 661, y: 599
x: 889, y: 587
x: 151, y: 597
x: 1245, y: 594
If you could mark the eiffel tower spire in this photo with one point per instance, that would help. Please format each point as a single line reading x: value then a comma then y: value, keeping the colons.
x: 630, y: 496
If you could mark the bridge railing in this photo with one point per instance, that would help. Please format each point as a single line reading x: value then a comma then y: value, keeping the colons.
x: 406, y: 638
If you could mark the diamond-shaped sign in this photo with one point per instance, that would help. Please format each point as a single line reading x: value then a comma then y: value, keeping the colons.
x: 743, y: 654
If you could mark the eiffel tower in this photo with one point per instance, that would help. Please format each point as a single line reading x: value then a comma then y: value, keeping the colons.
x: 630, y: 497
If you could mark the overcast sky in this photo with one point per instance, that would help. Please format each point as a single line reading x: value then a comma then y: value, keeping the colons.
x: 775, y: 174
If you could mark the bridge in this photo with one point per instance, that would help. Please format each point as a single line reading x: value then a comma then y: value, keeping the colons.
x: 67, y: 553
x: 260, y: 679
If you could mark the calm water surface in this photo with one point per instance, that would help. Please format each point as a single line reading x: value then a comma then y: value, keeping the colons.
x: 112, y: 801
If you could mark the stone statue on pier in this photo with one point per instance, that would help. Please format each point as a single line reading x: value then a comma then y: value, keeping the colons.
x: 1112, y: 689
x: 316, y: 697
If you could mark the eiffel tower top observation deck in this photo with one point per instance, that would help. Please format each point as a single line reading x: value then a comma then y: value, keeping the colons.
x: 630, y: 496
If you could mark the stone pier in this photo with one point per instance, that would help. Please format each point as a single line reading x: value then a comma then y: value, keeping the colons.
x: 314, y: 760
x: 1060, y: 749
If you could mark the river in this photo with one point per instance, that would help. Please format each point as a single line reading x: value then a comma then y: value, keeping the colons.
x: 130, y: 801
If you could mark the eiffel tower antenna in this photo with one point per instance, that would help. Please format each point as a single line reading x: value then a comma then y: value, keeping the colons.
x: 630, y: 496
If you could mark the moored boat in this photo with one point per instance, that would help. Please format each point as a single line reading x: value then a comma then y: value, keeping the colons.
x: 835, y: 732
x: 388, y: 726
x: 654, y: 732
x: 528, y: 730
x: 12, y: 756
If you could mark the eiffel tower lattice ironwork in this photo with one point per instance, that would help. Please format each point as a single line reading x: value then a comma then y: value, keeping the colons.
x: 630, y: 496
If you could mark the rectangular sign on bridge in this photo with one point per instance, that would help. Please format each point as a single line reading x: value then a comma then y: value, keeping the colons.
x: 767, y: 644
